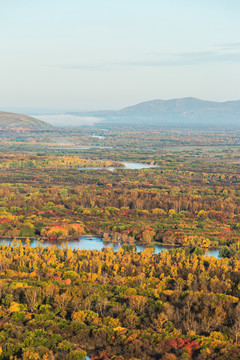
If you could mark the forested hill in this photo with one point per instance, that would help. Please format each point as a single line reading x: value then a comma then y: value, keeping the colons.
x: 183, y: 112
x: 183, y: 105
x: 13, y: 120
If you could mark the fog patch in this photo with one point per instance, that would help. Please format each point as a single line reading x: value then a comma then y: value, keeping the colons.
x: 69, y: 120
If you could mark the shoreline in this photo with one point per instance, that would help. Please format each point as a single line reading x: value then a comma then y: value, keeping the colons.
x: 137, y: 243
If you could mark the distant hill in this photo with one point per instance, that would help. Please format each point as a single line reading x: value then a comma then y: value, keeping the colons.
x: 12, y: 120
x: 180, y: 106
x: 184, y: 112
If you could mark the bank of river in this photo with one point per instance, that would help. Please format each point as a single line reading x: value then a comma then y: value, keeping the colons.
x: 97, y: 243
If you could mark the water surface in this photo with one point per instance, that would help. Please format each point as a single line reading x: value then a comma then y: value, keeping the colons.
x: 127, y: 166
x: 100, y: 137
x: 97, y: 243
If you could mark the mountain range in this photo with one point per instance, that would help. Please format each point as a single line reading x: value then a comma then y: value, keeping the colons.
x: 183, y: 112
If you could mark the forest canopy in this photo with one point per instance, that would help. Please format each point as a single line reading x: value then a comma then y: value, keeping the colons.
x: 58, y: 303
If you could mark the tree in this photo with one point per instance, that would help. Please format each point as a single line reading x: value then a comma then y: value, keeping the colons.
x: 236, y: 325
x: 32, y: 295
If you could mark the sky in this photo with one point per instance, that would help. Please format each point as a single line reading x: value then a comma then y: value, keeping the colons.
x: 90, y: 54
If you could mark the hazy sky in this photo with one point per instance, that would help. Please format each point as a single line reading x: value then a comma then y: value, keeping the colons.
x: 107, y: 54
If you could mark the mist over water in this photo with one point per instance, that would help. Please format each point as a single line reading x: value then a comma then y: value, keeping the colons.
x: 69, y: 120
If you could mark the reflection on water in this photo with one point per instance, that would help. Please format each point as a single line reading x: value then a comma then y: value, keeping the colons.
x: 133, y: 165
x: 96, y: 243
x: 213, y: 252
x: 100, y: 137
x: 127, y: 165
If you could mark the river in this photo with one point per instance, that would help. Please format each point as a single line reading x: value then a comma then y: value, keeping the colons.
x: 127, y: 166
x: 97, y: 243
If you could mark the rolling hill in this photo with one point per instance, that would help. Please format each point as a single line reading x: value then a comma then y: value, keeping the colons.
x: 183, y: 112
x: 12, y: 120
